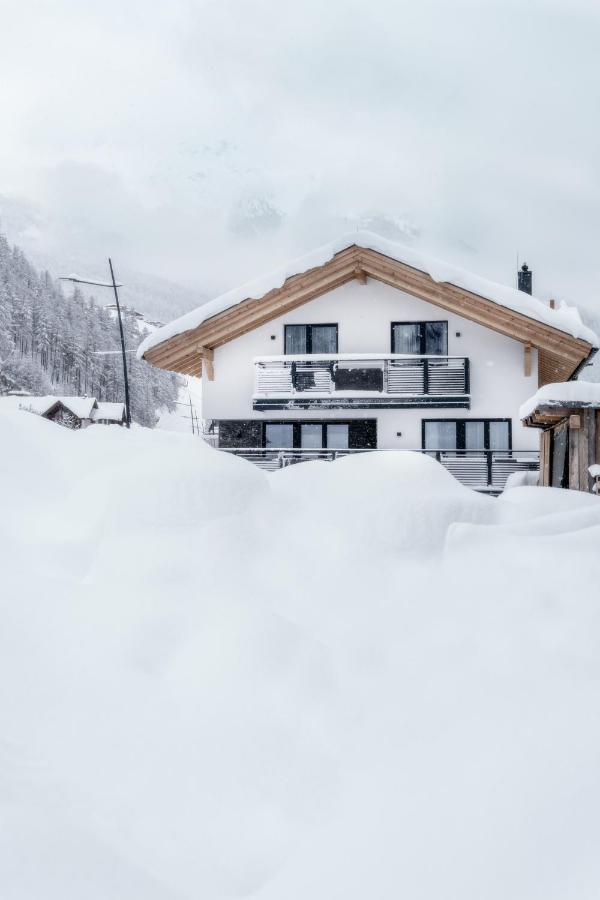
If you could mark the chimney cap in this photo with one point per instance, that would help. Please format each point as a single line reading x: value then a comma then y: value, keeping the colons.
x: 524, y: 268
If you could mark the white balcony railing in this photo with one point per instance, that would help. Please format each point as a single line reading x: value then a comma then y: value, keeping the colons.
x: 332, y: 379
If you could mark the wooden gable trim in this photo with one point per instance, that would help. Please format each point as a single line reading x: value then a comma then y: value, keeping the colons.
x: 184, y: 352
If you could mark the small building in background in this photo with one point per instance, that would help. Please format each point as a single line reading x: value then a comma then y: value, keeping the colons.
x: 76, y: 412
x: 568, y: 413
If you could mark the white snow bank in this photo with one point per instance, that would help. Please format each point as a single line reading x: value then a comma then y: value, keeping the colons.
x: 579, y: 393
x: 565, y: 318
x: 219, y: 683
x: 112, y: 411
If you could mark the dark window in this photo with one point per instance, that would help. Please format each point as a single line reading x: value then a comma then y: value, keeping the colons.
x: 240, y: 433
x: 421, y: 338
x: 362, y: 434
x: 359, y: 379
x: 466, y: 434
x: 303, y: 339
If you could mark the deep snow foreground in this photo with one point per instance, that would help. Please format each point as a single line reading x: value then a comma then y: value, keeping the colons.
x: 345, y: 680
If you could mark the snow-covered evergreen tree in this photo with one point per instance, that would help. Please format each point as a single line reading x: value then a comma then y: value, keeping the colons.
x: 56, y: 344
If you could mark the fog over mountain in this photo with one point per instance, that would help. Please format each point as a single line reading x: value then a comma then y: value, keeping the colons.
x: 199, y: 143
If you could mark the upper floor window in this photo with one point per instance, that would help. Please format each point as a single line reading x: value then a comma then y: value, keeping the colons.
x: 421, y: 338
x: 302, y: 339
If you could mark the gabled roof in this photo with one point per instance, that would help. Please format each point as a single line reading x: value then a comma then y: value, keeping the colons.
x: 80, y: 406
x: 183, y: 343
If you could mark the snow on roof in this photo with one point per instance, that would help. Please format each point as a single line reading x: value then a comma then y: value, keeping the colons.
x: 114, y: 412
x: 79, y: 406
x: 563, y: 393
x: 564, y: 318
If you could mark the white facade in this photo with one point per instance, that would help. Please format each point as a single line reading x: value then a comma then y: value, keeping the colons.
x: 364, y: 314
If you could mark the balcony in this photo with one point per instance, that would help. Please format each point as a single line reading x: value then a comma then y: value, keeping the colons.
x: 481, y: 470
x: 358, y: 381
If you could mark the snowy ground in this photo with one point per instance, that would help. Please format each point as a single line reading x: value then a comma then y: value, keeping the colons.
x: 343, y: 681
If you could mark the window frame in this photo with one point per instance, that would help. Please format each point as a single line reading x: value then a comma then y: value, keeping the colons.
x: 297, y: 431
x: 461, y: 431
x: 309, y: 326
x: 422, y: 335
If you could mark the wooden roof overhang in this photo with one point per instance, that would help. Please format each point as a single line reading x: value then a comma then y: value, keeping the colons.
x: 560, y: 353
x: 548, y: 414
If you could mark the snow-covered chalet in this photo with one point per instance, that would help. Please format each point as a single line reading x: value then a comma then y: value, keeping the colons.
x: 365, y: 344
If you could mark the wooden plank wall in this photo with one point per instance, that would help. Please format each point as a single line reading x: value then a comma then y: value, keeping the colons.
x: 545, y: 457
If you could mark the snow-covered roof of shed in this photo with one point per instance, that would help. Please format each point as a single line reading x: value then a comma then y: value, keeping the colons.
x: 563, y: 393
x: 114, y: 412
x: 80, y: 406
x: 565, y: 318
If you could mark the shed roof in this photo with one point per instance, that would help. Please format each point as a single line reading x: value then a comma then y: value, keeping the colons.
x: 553, y: 401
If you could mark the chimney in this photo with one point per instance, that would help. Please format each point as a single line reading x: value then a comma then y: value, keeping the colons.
x: 525, y: 277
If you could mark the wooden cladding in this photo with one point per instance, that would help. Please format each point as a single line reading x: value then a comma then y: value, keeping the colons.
x: 560, y: 354
x: 568, y: 447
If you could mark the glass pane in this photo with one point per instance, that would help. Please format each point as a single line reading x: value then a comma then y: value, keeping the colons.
x: 474, y: 436
x: 440, y: 435
x: 337, y: 437
x: 295, y: 339
x: 499, y: 436
x: 324, y: 339
x: 436, y: 338
x: 311, y: 436
x: 406, y: 338
x: 279, y: 435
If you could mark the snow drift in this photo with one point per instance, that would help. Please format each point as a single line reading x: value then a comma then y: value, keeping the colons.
x: 344, y: 680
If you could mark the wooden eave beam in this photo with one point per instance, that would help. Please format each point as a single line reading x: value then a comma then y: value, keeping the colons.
x: 472, y: 306
x: 250, y: 313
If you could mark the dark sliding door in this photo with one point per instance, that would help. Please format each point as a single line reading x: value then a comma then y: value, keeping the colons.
x: 466, y: 434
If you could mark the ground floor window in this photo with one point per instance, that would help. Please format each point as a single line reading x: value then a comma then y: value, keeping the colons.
x: 357, y: 434
x: 466, y: 434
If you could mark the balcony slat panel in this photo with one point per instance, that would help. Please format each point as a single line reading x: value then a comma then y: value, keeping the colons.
x: 502, y: 467
x: 471, y: 471
x: 406, y: 378
x: 274, y: 378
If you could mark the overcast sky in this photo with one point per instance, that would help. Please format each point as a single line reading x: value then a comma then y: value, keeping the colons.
x: 208, y: 140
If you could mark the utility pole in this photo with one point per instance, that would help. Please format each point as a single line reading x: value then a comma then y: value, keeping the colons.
x: 125, y: 378
x: 76, y: 279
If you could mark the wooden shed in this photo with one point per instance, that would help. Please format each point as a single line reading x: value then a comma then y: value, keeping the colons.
x: 568, y: 414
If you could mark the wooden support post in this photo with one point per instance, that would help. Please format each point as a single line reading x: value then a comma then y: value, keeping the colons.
x: 588, y: 449
x: 527, y: 360
x: 545, y: 457
x: 208, y: 359
x: 574, y: 454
